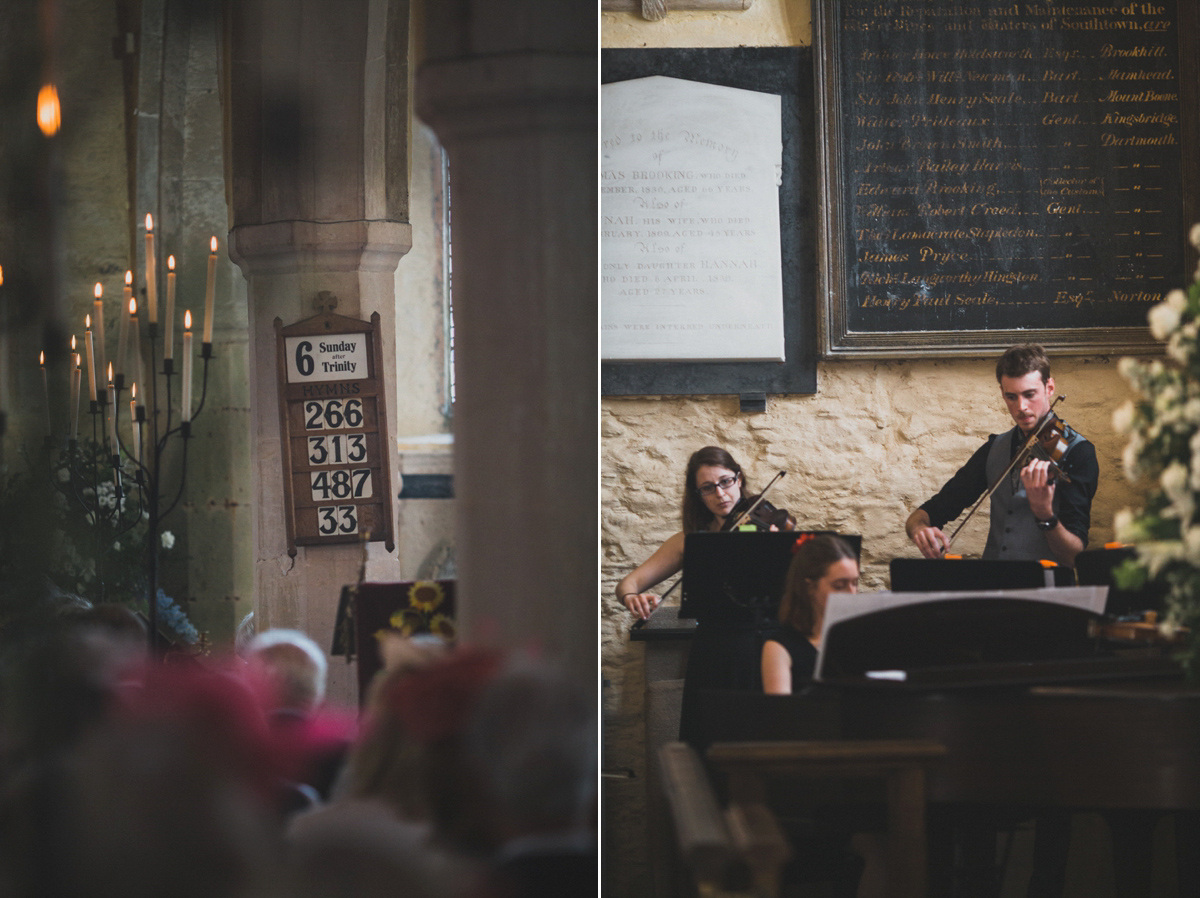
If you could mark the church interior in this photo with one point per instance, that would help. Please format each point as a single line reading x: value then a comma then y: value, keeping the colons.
x: 294, y: 435
x: 886, y: 420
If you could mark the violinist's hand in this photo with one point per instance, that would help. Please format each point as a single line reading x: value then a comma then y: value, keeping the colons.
x: 642, y: 604
x: 1039, y: 487
x: 932, y: 542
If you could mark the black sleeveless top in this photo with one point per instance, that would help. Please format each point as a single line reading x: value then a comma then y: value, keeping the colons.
x: 803, y: 652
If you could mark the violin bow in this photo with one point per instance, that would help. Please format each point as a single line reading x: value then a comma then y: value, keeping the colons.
x: 1024, y: 451
x: 756, y: 502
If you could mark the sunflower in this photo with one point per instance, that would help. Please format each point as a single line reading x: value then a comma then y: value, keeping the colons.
x: 425, y: 595
x: 443, y: 626
x: 407, y: 622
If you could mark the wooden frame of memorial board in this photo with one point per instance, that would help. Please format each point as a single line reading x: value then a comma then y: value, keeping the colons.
x: 992, y: 175
x: 333, y: 424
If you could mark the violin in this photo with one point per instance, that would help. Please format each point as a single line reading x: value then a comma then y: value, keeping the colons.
x: 1047, y: 442
x: 758, y: 511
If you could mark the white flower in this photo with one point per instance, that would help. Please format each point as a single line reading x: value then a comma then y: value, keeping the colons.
x: 1177, y: 300
x: 1123, y: 526
x: 1194, y: 236
x: 1129, y: 368
x: 168, y: 539
x: 1191, y: 544
x: 1122, y: 419
x: 116, y: 546
x: 1178, y: 348
x: 1163, y: 320
x: 1130, y: 460
x: 63, y: 475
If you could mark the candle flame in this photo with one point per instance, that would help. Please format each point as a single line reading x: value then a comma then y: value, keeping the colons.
x: 212, y: 245
x: 187, y: 320
x: 42, y: 357
x: 149, y: 222
x: 1, y: 274
x: 87, y: 321
x: 110, y: 376
x: 128, y: 278
x: 78, y: 361
x: 72, y: 342
x: 49, y: 113
x: 171, y: 262
x: 133, y: 391
x: 132, y: 306
x: 98, y: 290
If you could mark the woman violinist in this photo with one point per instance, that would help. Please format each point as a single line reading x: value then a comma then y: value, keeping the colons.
x: 821, y: 566
x: 713, y: 486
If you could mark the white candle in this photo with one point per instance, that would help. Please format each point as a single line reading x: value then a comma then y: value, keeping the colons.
x: 209, y: 287
x: 133, y: 424
x: 112, y: 413
x: 169, y: 320
x: 76, y: 377
x: 98, y: 321
x: 151, y: 273
x: 186, y: 409
x: 123, y: 332
x: 135, y: 346
x: 45, y: 391
x: 91, y: 356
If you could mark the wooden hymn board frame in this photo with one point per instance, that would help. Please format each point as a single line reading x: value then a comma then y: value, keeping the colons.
x: 993, y: 174
x: 333, y: 424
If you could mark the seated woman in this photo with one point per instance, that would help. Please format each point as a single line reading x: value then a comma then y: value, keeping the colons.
x: 713, y: 485
x: 821, y: 566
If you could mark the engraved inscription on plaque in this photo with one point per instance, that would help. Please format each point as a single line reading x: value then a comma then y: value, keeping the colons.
x: 1008, y: 166
x: 690, y: 256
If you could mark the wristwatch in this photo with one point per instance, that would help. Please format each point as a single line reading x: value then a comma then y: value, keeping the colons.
x: 1048, y: 525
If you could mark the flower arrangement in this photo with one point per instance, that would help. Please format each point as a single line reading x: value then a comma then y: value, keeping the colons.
x: 1163, y: 426
x: 425, y: 597
x: 72, y: 527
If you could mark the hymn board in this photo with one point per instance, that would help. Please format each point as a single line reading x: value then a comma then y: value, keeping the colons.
x: 333, y: 422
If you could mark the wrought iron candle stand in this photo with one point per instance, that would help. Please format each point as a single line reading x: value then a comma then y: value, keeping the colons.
x: 147, y: 462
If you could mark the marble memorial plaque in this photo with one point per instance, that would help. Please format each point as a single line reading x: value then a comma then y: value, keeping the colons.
x: 690, y: 258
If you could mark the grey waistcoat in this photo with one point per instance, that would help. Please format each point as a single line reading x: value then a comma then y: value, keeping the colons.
x: 1014, y: 534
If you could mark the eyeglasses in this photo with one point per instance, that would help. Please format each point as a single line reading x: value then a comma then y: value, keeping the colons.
x: 725, y: 483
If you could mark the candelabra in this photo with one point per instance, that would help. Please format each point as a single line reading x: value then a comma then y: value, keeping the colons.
x: 152, y: 429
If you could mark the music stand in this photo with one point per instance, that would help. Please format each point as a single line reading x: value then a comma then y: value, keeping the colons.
x: 1095, y: 568
x: 738, y: 577
x: 974, y: 574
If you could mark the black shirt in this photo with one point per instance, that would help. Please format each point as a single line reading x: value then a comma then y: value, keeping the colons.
x: 1073, y: 500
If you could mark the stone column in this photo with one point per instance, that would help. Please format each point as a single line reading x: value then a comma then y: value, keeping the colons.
x: 319, y: 120
x: 509, y: 86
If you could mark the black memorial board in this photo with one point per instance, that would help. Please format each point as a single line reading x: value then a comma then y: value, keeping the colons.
x: 998, y: 173
x: 786, y: 71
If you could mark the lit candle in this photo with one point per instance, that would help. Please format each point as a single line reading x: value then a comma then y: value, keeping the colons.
x: 91, y: 356
x: 135, y: 345
x: 76, y: 377
x: 169, y: 322
x: 186, y: 409
x: 137, y: 431
x: 151, y: 273
x: 209, y: 286
x: 123, y: 333
x: 112, y: 413
x: 98, y: 320
x: 45, y: 391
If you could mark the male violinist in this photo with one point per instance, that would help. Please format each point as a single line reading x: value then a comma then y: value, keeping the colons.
x: 1034, y: 513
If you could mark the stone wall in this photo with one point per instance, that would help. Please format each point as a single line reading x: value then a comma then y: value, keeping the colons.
x: 877, y: 439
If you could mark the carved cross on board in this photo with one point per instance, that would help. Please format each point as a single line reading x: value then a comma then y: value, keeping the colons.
x: 325, y: 301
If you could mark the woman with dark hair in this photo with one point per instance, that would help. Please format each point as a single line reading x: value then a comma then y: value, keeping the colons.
x: 713, y: 486
x: 823, y: 565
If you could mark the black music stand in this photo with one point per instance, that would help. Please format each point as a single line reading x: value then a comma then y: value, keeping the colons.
x: 738, y: 577
x: 974, y: 574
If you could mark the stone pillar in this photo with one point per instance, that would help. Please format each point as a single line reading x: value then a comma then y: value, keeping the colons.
x: 509, y: 86
x: 319, y: 121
